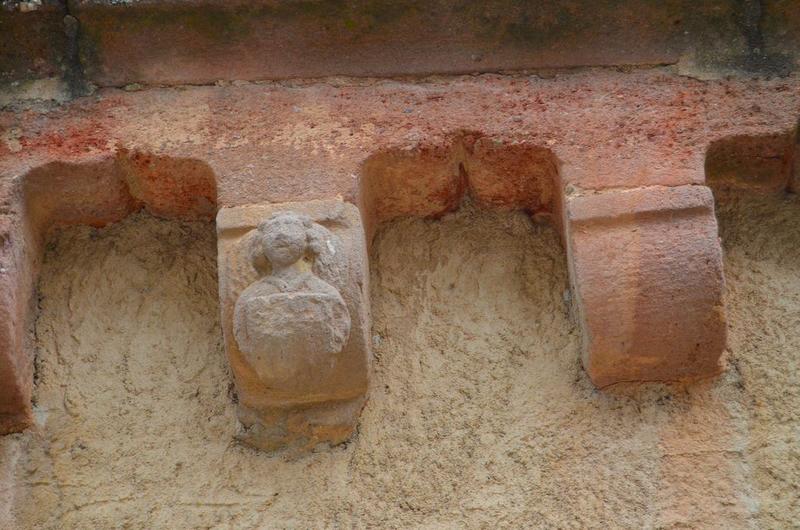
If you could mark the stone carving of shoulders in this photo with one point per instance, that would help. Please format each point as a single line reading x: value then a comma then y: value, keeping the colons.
x: 290, y: 319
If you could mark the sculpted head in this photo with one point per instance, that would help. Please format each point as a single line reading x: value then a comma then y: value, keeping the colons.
x: 284, y: 238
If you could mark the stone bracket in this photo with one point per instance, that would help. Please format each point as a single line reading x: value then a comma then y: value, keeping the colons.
x: 646, y: 273
x: 299, y: 360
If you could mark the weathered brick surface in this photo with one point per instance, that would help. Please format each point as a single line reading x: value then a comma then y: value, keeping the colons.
x: 646, y: 273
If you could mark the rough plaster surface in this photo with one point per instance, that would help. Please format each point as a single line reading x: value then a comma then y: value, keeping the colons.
x: 761, y: 239
x: 479, y: 414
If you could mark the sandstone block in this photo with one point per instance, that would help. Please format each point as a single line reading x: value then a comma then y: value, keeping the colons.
x: 646, y: 272
x: 33, y: 41
x: 761, y: 163
x: 511, y: 175
x: 16, y: 359
x: 294, y: 303
x: 201, y: 41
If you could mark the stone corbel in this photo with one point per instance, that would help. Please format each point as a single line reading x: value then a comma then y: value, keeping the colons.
x: 295, y: 316
x: 646, y: 273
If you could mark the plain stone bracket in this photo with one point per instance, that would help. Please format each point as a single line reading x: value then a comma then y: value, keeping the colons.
x: 295, y: 305
x: 647, y: 280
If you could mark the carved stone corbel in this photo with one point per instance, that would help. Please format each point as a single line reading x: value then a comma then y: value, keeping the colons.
x: 295, y: 306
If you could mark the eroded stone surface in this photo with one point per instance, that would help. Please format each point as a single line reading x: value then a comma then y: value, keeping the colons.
x: 185, y: 152
x: 295, y: 317
x: 291, y: 320
x: 33, y: 42
x: 16, y: 355
x: 201, y: 41
x: 646, y: 271
x: 268, y: 142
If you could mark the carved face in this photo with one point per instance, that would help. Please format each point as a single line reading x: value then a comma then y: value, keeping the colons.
x: 284, y: 239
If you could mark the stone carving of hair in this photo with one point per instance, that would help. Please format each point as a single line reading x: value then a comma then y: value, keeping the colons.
x: 318, y: 244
